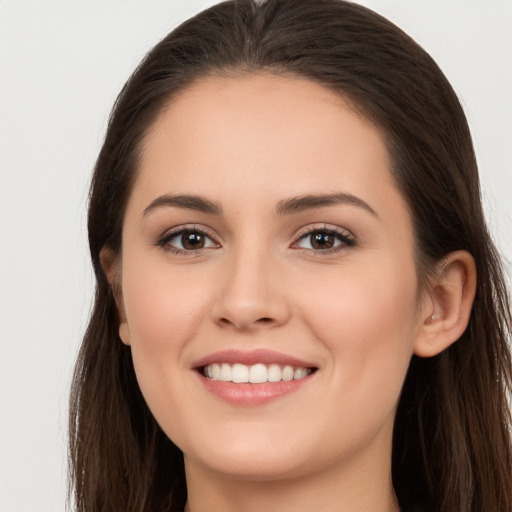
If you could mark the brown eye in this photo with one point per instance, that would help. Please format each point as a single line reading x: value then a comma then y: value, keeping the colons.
x: 191, y: 240
x: 322, y: 240
x: 325, y: 240
x: 187, y: 241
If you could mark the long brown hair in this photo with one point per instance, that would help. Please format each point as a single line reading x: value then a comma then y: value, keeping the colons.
x: 452, y: 445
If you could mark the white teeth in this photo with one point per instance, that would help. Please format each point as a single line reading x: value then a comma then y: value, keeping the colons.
x: 255, y: 374
x: 225, y: 373
x: 287, y: 373
x: 215, y: 371
x: 258, y: 373
x: 274, y: 373
x: 240, y: 373
x: 300, y: 373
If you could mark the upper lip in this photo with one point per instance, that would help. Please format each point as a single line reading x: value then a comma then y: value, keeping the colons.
x: 251, y: 357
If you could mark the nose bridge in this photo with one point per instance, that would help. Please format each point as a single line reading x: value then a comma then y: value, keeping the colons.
x: 250, y: 293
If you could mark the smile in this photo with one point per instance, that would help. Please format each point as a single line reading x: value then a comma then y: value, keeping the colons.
x: 253, y: 378
x: 255, y: 374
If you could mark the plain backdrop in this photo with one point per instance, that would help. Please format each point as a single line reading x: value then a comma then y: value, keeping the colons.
x: 62, y: 64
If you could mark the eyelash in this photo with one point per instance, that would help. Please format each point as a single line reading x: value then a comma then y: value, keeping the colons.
x: 345, y: 238
x: 163, y: 242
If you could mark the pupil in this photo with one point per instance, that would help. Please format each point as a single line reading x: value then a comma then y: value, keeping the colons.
x: 322, y: 241
x: 192, y: 240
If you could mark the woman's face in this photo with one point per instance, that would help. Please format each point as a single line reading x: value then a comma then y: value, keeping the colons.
x: 265, y: 239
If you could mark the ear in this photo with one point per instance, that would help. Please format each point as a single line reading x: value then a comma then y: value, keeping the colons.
x: 447, y: 308
x: 111, y: 266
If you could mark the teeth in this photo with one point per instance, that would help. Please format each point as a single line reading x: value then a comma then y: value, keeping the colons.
x: 274, y: 373
x: 240, y: 373
x: 215, y: 371
x: 255, y: 374
x: 300, y: 373
x: 226, y: 374
x: 287, y: 373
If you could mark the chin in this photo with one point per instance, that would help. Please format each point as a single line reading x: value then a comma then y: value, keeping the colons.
x: 252, y: 459
x: 257, y: 470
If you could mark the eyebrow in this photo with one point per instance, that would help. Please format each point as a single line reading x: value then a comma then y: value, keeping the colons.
x: 284, y: 207
x: 190, y: 202
x: 309, y: 202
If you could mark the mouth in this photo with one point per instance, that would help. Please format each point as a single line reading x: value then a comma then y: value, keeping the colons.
x: 253, y: 378
x: 258, y: 373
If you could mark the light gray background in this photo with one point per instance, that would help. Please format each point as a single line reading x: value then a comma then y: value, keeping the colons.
x: 61, y: 66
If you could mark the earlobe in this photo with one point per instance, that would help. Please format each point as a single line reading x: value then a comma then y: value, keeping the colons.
x: 448, y: 309
x: 124, y: 332
x: 110, y: 264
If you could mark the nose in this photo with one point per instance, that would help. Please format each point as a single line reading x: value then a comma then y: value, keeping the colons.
x: 251, y: 293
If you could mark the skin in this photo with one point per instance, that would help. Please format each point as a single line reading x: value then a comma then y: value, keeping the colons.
x: 248, y: 143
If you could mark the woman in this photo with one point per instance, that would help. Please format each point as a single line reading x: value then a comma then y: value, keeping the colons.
x: 298, y: 304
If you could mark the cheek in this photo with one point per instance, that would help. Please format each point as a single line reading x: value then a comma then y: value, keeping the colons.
x: 164, y: 312
x: 162, y: 307
x: 367, y: 320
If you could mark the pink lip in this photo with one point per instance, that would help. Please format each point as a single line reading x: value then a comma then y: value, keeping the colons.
x: 248, y: 394
x: 263, y: 356
x: 252, y: 394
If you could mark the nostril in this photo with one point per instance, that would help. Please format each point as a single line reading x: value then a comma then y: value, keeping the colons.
x: 263, y: 320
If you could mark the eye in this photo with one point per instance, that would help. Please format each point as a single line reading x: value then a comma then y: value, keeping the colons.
x: 324, y: 240
x: 186, y: 241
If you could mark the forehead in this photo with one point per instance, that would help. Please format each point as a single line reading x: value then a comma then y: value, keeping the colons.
x: 263, y: 137
x: 287, y: 107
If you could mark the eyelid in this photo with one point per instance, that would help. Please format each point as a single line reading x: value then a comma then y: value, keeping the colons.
x: 163, y: 239
x: 347, y: 237
x: 323, y: 226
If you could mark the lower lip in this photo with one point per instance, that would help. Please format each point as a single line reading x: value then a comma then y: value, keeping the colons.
x: 248, y: 394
